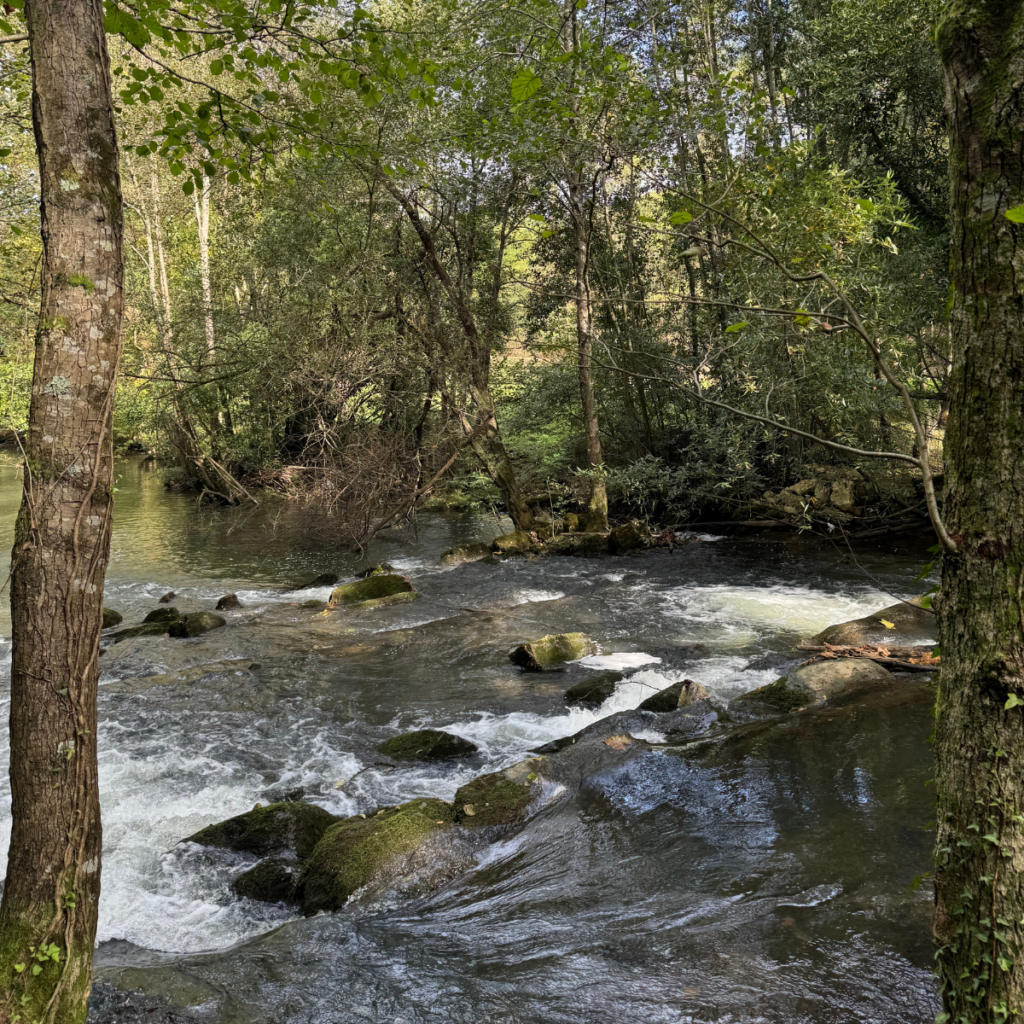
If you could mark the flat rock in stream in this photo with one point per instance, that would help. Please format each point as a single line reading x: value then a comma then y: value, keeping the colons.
x: 276, y: 828
x: 551, y: 653
x: 145, y: 629
x: 819, y: 681
x: 195, y: 624
x: 377, y: 591
x: 474, y: 552
x: 499, y: 798
x: 593, y: 691
x: 427, y: 745
x: 356, y: 851
x: 909, y: 619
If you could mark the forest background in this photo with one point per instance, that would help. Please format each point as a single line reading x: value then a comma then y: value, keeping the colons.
x: 573, y: 258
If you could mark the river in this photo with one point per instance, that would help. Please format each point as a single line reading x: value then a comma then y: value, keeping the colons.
x: 768, y: 883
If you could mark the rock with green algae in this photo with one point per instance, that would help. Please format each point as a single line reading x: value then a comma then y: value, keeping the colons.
x: 195, y: 623
x: 162, y: 615
x: 577, y: 544
x: 819, y: 681
x: 111, y: 618
x: 593, y: 691
x: 474, y: 552
x: 276, y: 828
x: 353, y: 852
x: 519, y: 542
x: 273, y: 880
x: 550, y: 653
x: 427, y: 745
x: 373, y: 592
x: 631, y: 536
x: 499, y: 798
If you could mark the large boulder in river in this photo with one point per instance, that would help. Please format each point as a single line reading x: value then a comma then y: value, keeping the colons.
x: 111, y: 618
x: 550, y: 653
x: 227, y: 602
x: 474, y: 552
x: 593, y: 691
x: 499, y: 798
x: 909, y: 620
x: 519, y: 542
x: 357, y: 850
x: 377, y: 591
x: 427, y: 745
x: 273, y: 880
x: 628, y: 537
x: 578, y: 544
x: 195, y: 623
x: 162, y: 615
x: 818, y: 681
x: 276, y: 828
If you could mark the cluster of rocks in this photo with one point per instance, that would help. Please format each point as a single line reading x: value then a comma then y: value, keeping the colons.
x: 165, y: 621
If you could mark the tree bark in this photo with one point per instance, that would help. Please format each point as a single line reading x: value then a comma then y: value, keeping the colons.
x: 62, y: 535
x: 979, y: 734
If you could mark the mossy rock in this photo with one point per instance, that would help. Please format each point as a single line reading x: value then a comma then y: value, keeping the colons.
x: 632, y: 536
x: 818, y: 681
x: 475, y: 552
x: 550, y: 653
x: 593, y: 691
x: 146, y: 629
x: 578, y: 544
x: 273, y: 880
x: 228, y: 601
x: 498, y: 798
x: 312, y: 603
x: 380, y: 569
x: 162, y: 615
x: 355, y: 851
x: 519, y: 542
x: 427, y: 745
x: 373, y: 592
x: 275, y: 828
x: 196, y: 623
x: 111, y: 618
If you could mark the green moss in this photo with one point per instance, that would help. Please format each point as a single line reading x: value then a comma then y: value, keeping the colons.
x: 270, y: 829
x: 426, y: 745
x: 83, y: 281
x: 466, y: 553
x: 777, y: 695
x: 355, y: 851
x: 577, y: 544
x: 492, y: 799
x: 111, y: 618
x: 519, y: 542
x: 195, y: 623
x: 162, y: 615
x: 373, y: 592
x: 550, y: 653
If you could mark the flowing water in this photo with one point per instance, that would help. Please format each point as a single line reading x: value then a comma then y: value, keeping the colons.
x: 768, y: 881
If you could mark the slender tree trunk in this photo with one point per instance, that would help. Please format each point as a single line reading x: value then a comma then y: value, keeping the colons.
x: 979, y: 733
x: 62, y: 535
x: 201, y: 198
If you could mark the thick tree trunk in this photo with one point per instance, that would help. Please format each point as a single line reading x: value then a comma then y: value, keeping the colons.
x: 979, y: 871
x: 62, y: 536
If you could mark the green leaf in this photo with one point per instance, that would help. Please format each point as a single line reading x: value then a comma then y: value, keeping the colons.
x: 216, y: 67
x: 1012, y: 701
x: 733, y: 328
x: 866, y: 205
x: 524, y: 84
x: 1016, y: 215
x: 681, y: 217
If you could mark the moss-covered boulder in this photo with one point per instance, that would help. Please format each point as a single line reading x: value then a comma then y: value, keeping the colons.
x: 499, y: 798
x: 373, y: 592
x: 632, y: 536
x: 162, y: 615
x: 427, y: 745
x: 377, y: 569
x: 550, y: 653
x: 355, y: 851
x: 111, y: 618
x: 909, y: 620
x: 195, y: 624
x: 273, y: 880
x: 276, y: 828
x: 577, y: 544
x: 227, y: 602
x: 593, y: 691
x: 313, y: 603
x: 818, y: 681
x: 474, y: 552
x: 519, y: 542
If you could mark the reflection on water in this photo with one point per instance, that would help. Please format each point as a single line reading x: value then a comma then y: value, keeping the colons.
x: 765, y: 881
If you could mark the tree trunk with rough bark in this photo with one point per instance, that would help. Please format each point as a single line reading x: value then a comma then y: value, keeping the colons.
x: 62, y: 536
x: 979, y: 870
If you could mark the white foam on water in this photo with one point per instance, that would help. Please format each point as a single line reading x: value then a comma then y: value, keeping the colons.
x: 707, y: 538
x: 618, y: 662
x: 534, y: 596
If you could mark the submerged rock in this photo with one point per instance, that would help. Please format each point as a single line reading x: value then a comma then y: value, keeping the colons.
x: 908, y: 618
x: 111, y: 618
x: 228, y: 601
x: 276, y: 828
x: 519, y: 542
x: 373, y: 592
x: 427, y: 745
x: 326, y: 579
x: 593, y: 691
x: 313, y: 603
x: 195, y: 623
x: 273, y: 880
x: 629, y: 537
x: 162, y: 615
x: 818, y: 681
x: 168, y: 597
x: 145, y: 629
x: 355, y: 851
x: 499, y: 798
x: 550, y: 653
x: 474, y: 552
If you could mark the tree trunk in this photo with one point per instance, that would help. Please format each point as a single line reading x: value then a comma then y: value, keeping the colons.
x: 62, y: 536
x: 979, y: 733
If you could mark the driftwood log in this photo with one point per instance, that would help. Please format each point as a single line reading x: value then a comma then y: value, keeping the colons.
x: 905, y: 659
